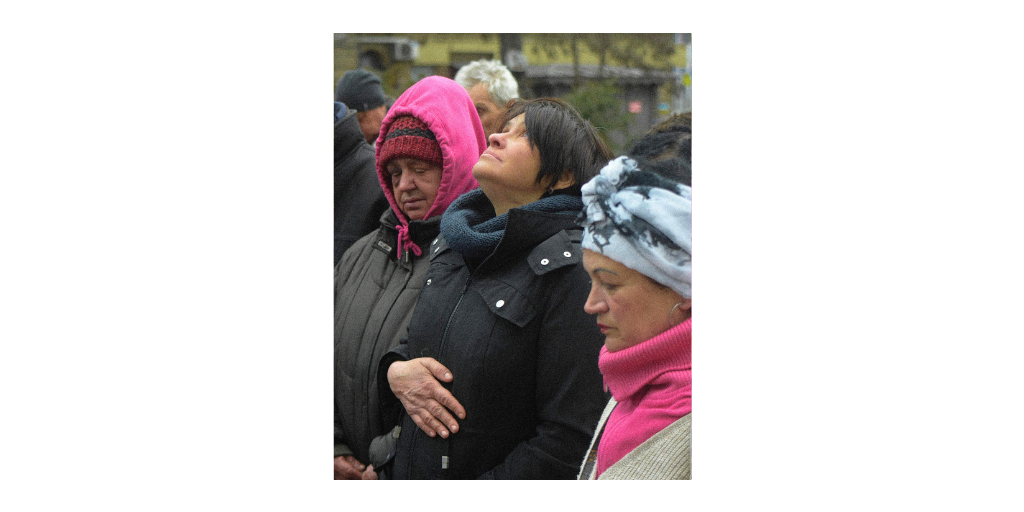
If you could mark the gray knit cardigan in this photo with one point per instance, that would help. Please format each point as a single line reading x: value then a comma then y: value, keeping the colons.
x: 665, y: 456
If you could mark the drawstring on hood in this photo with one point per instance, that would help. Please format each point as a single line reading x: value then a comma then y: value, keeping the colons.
x: 405, y: 241
x: 448, y: 112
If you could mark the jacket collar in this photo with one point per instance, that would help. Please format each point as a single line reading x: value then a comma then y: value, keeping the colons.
x: 526, y: 230
x: 422, y: 233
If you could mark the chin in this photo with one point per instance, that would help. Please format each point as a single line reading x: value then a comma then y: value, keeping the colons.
x: 477, y: 167
x: 617, y: 344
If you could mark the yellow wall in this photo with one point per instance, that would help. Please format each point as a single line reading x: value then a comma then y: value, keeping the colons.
x: 436, y: 50
x: 540, y: 57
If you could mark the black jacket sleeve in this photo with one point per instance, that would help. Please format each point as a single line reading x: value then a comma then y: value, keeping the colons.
x: 390, y: 406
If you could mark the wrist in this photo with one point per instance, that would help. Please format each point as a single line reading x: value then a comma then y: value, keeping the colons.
x: 393, y: 372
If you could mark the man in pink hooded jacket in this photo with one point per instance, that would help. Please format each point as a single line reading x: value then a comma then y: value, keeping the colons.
x: 428, y: 144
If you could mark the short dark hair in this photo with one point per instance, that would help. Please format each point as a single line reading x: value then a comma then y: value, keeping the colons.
x: 665, y: 149
x: 565, y: 141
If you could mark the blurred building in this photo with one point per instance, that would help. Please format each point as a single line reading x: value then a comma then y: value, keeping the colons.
x: 649, y: 88
x: 639, y: 91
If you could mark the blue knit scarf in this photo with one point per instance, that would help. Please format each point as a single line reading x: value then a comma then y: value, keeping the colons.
x: 470, y: 227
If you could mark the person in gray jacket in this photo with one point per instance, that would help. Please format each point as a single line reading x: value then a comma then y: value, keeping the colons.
x: 429, y: 142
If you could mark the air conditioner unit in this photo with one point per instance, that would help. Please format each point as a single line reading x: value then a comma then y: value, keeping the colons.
x: 407, y: 51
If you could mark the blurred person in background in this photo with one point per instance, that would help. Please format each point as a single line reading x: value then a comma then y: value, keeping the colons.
x: 429, y: 142
x: 668, y: 143
x: 358, y: 198
x: 361, y: 90
x: 498, y: 377
x: 491, y: 85
x: 637, y: 247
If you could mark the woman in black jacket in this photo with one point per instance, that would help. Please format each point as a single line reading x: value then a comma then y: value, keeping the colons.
x: 498, y: 375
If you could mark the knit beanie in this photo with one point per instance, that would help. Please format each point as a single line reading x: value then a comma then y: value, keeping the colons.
x: 360, y: 90
x: 640, y: 219
x: 408, y: 137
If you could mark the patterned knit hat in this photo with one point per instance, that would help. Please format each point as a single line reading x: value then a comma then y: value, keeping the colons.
x: 408, y: 137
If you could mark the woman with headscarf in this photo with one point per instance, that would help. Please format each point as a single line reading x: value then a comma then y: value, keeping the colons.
x: 498, y: 377
x: 637, y: 250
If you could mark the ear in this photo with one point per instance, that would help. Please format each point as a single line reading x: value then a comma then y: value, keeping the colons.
x: 683, y: 307
x: 564, y: 182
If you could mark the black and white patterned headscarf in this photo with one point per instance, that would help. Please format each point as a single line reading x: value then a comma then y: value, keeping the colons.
x: 641, y: 220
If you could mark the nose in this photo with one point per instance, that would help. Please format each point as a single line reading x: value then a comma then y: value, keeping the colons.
x: 406, y: 181
x: 595, y: 304
x: 496, y: 139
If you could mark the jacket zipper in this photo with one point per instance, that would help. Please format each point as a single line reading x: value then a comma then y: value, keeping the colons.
x: 444, y: 462
x: 447, y: 325
x: 444, y: 336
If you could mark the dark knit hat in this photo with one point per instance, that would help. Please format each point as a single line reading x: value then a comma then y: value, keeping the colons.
x: 360, y: 90
x: 408, y: 137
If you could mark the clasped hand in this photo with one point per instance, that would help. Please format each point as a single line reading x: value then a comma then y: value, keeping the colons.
x: 417, y: 383
x: 347, y: 467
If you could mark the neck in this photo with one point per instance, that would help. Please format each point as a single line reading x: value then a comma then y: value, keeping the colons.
x: 501, y: 209
x: 504, y: 204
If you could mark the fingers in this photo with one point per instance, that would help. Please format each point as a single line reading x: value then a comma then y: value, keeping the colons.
x: 434, y: 419
x: 447, y: 399
x: 442, y: 395
x: 347, y: 467
x: 444, y: 402
x: 417, y: 383
x: 429, y: 424
x: 441, y: 420
x: 439, y: 371
x: 354, y: 462
x: 369, y: 474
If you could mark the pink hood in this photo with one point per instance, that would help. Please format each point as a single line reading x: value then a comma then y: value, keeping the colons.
x: 448, y: 111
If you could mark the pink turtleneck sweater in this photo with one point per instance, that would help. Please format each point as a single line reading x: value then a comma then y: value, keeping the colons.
x: 651, y: 382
